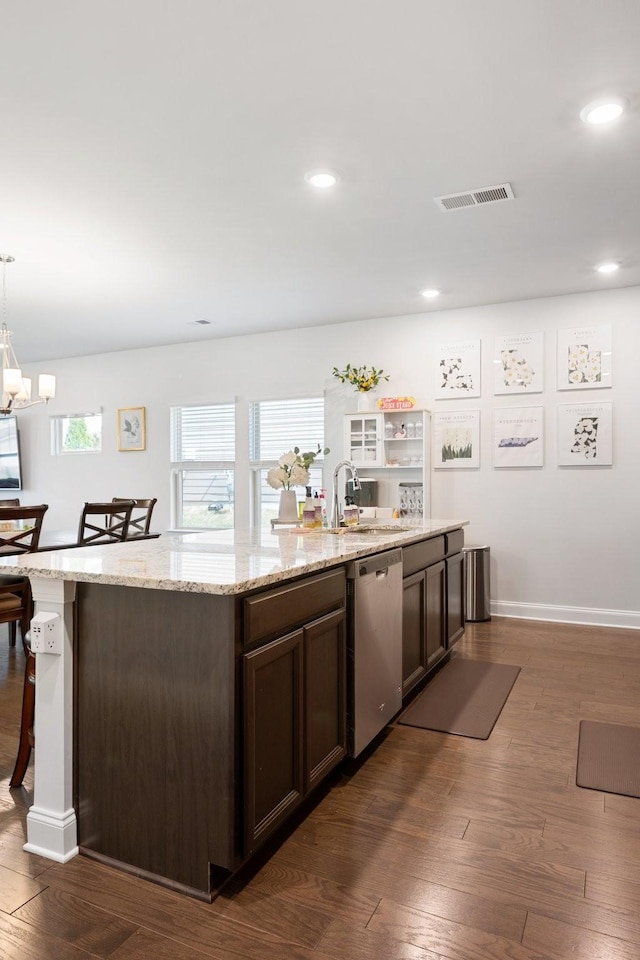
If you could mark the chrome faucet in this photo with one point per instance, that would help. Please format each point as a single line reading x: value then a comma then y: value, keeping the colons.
x: 335, y: 501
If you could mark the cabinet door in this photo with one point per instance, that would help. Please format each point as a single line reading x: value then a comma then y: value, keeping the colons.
x: 363, y: 439
x: 273, y: 736
x: 325, y: 705
x: 455, y: 599
x: 436, y: 606
x: 414, y: 652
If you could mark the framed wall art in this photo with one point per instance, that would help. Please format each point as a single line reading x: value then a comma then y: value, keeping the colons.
x: 131, y: 429
x: 458, y: 370
x: 584, y: 358
x: 456, y: 439
x: 518, y: 437
x: 518, y: 364
x: 585, y: 434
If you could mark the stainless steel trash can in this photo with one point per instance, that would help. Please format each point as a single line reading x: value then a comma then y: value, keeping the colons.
x: 476, y: 583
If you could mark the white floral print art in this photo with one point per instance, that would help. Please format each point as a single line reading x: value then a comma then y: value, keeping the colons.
x: 584, y: 365
x: 586, y: 438
x: 518, y: 363
x: 585, y: 358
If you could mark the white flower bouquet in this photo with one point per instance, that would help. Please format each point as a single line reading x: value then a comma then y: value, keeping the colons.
x: 293, y: 469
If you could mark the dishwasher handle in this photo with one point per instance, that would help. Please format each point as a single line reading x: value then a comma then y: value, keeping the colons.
x: 377, y: 564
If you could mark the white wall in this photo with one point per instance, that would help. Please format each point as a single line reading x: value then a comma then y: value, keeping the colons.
x: 563, y: 540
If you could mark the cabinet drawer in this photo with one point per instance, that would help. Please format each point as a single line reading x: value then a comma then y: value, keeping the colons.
x: 274, y: 612
x: 417, y: 556
x: 455, y: 541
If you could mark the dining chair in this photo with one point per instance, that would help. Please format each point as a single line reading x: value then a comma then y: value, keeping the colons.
x: 105, y: 522
x: 89, y: 531
x: 16, y: 606
x: 10, y: 503
x: 26, y: 742
x: 140, y: 516
x: 19, y: 533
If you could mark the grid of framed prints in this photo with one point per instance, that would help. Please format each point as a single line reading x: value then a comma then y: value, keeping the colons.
x: 584, y: 430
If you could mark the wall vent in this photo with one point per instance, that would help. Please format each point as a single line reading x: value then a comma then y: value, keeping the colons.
x: 476, y: 198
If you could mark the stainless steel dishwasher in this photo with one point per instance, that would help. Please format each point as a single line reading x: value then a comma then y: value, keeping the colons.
x: 375, y: 645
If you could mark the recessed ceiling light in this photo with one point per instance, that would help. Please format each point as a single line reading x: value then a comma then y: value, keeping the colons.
x: 609, y: 266
x: 321, y: 179
x: 604, y: 111
x: 430, y: 294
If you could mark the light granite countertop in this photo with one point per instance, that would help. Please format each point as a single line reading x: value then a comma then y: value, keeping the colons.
x: 223, y: 562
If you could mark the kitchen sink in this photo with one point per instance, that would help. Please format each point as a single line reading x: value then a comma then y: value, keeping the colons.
x: 363, y: 528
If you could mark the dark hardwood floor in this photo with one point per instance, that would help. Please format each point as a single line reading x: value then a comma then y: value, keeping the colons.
x: 436, y: 846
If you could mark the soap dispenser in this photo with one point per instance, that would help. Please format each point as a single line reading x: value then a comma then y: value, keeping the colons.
x: 351, y: 514
x: 309, y: 510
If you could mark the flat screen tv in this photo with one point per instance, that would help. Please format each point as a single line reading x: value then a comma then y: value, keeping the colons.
x: 10, y: 472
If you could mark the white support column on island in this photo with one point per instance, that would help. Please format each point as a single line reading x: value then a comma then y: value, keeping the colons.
x: 51, y: 821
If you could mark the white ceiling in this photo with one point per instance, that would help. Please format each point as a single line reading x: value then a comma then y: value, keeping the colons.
x: 153, y: 152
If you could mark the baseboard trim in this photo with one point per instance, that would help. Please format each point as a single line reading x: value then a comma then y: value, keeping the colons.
x: 589, y: 616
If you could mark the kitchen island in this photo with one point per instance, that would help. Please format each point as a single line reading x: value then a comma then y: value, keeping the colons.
x: 201, y: 692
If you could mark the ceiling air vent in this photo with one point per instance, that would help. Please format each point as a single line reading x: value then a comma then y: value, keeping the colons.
x: 476, y: 198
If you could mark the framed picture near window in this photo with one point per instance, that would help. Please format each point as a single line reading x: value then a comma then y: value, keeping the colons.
x: 132, y: 434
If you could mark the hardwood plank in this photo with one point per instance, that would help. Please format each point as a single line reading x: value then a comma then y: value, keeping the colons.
x: 444, y: 937
x: 343, y: 941
x: 354, y: 905
x: 200, y: 926
x: 617, y: 891
x: 19, y: 941
x: 144, y: 944
x: 16, y: 889
x: 14, y: 857
x: 553, y: 938
x: 57, y: 914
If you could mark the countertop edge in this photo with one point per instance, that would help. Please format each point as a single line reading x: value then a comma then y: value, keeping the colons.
x: 25, y: 566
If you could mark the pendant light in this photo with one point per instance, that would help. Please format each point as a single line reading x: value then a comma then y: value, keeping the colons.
x: 16, y: 389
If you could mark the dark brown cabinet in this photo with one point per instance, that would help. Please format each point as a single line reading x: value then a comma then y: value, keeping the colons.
x: 294, y: 695
x: 423, y: 623
x: 455, y: 587
x: 423, y: 610
x: 433, y: 604
x: 273, y: 743
x: 455, y: 599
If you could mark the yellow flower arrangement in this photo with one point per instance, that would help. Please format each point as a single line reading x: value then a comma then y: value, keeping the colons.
x: 362, y: 378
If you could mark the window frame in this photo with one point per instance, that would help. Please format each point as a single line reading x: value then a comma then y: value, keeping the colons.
x: 258, y: 465
x: 56, y: 422
x: 179, y: 467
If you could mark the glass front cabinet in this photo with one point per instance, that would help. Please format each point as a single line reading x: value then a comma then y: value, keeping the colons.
x: 394, y: 447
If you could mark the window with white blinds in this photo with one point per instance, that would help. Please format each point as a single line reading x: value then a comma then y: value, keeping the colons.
x: 203, y: 454
x: 275, y: 427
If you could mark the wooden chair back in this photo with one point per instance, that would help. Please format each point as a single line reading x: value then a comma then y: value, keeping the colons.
x: 140, y: 516
x: 10, y: 503
x: 104, y: 522
x: 20, y: 528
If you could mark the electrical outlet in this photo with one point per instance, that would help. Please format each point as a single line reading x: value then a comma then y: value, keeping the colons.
x: 46, y: 633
